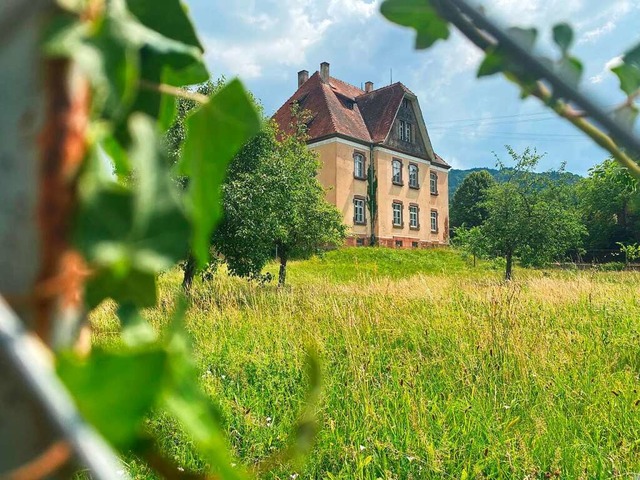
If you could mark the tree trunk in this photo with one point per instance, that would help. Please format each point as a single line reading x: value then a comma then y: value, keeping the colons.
x: 189, y: 273
x: 282, y: 274
x: 507, y: 273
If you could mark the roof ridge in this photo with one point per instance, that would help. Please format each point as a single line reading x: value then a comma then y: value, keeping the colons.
x: 346, y: 83
x: 381, y: 88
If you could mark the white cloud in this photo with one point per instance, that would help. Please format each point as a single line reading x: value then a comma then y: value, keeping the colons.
x: 606, y: 21
x: 612, y: 63
x: 287, y: 32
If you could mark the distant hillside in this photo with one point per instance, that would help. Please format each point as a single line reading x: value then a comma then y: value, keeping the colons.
x: 457, y: 176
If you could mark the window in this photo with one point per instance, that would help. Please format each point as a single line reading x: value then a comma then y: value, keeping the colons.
x: 358, y: 165
x: 415, y: 244
x: 399, y: 243
x: 413, y: 175
x: 405, y: 103
x: 405, y: 130
x: 434, y: 221
x: 396, y: 169
x: 358, y: 211
x: 397, y: 214
x: 414, y: 220
x: 433, y: 183
x: 359, y: 242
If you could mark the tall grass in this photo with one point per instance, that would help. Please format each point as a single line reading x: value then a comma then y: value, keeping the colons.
x: 431, y: 368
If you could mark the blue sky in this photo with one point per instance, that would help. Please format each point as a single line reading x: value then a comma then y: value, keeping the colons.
x: 266, y: 42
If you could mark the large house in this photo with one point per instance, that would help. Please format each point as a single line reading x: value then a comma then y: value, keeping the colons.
x: 349, y: 128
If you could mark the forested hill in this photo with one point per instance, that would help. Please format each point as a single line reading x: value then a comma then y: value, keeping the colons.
x: 457, y: 176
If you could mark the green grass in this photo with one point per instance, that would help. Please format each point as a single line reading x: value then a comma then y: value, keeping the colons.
x: 431, y: 368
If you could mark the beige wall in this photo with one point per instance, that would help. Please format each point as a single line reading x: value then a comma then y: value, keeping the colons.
x: 337, y: 176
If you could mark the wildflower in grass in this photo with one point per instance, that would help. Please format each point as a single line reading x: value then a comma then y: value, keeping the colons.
x: 362, y: 447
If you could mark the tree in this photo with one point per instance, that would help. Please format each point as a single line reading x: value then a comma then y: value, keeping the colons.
x: 468, y: 204
x: 609, y: 201
x: 529, y: 217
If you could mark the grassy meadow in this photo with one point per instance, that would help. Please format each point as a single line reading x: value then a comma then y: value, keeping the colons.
x: 431, y: 368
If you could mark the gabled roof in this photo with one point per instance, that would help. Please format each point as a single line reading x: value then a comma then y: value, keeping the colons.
x: 339, y: 108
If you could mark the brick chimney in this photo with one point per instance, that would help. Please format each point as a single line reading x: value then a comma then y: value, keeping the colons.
x: 303, y: 76
x: 368, y: 87
x: 324, y: 72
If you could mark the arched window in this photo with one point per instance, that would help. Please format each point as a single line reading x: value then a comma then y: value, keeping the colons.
x: 396, y: 171
x: 358, y: 165
x: 413, y: 175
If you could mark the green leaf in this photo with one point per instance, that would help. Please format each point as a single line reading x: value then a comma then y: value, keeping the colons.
x: 629, y: 76
x: 525, y: 37
x: 563, y: 36
x: 569, y: 69
x: 168, y: 17
x: 115, y: 391
x: 632, y: 56
x: 130, y: 286
x: 129, y: 235
x: 420, y: 15
x: 494, y: 62
x: 215, y: 134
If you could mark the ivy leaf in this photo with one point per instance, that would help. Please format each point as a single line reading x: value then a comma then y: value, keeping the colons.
x: 115, y: 391
x: 570, y: 69
x: 129, y: 235
x: 525, y: 37
x: 629, y: 76
x: 563, y: 37
x: 494, y: 62
x: 215, y: 134
x: 420, y: 15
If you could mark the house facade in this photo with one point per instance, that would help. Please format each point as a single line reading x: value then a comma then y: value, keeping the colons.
x: 353, y: 130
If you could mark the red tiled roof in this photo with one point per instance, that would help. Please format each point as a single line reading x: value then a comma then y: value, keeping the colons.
x: 339, y: 108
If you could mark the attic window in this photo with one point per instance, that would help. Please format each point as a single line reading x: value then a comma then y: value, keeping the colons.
x: 405, y: 103
x: 349, y: 104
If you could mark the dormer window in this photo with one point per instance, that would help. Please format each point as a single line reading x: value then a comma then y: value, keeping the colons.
x: 405, y: 131
x: 405, y: 103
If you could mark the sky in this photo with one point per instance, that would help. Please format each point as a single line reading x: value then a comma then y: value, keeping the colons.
x: 266, y: 42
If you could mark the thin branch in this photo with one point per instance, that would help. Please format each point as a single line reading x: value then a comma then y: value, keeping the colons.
x: 469, y: 22
x: 174, y: 91
x: 54, y: 458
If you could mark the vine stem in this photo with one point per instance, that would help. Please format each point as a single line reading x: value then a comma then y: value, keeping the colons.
x: 486, y: 35
x: 174, y: 91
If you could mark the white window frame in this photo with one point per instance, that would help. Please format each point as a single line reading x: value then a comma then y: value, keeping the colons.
x: 434, y: 221
x: 359, y: 207
x: 396, y: 208
x: 359, y: 158
x: 408, y: 130
x: 414, y: 216
x: 433, y: 183
x: 401, y: 128
x: 413, y: 179
x: 396, y: 171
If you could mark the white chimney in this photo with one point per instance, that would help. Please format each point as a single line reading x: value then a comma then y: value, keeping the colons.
x: 324, y: 72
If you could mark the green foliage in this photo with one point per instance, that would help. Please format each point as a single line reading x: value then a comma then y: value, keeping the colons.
x: 115, y: 391
x: 431, y: 366
x: 467, y: 205
x: 631, y: 252
x: 527, y: 220
x: 420, y: 15
x: 215, y: 133
x: 609, y: 202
